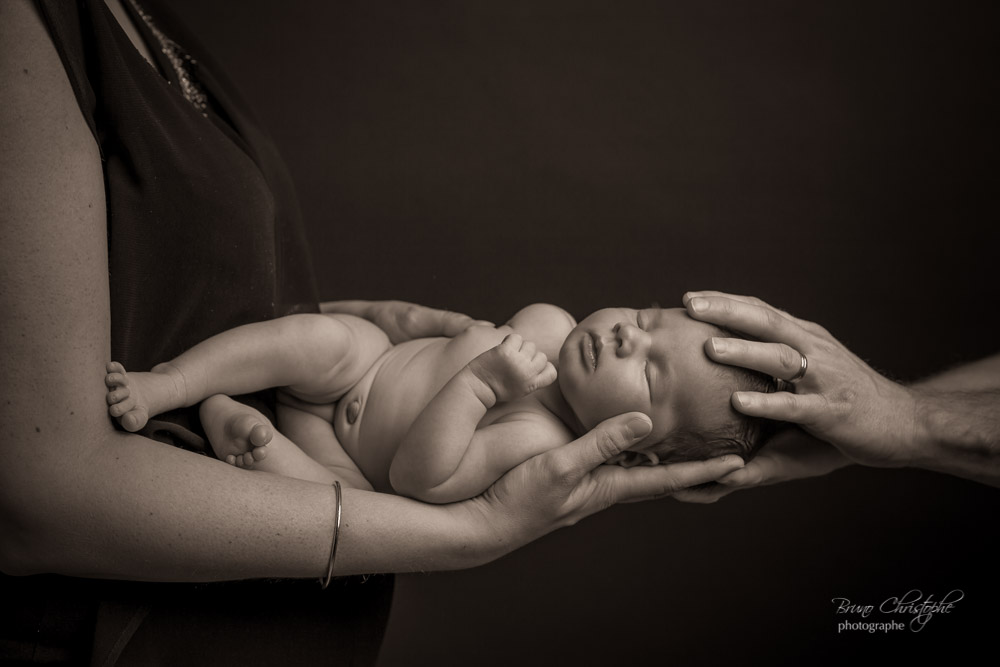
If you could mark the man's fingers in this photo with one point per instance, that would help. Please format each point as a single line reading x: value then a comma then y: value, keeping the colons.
x: 759, y: 321
x: 641, y: 482
x: 705, y: 495
x: 782, y: 405
x: 811, y: 327
x: 752, y: 300
x: 774, y: 359
x: 607, y: 439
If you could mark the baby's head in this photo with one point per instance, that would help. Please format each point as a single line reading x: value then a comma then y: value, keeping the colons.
x: 653, y: 361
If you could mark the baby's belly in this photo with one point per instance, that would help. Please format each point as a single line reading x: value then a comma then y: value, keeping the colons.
x: 372, y: 418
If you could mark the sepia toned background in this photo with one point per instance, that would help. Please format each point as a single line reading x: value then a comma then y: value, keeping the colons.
x: 837, y: 159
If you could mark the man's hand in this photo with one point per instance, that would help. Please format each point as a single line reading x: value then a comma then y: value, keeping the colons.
x: 790, y: 455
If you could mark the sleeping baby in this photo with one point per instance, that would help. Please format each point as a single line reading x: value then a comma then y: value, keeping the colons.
x: 441, y: 419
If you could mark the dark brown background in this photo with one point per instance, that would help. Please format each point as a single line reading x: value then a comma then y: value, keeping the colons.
x: 835, y: 158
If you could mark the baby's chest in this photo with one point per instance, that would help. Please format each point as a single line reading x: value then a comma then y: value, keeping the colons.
x: 529, y: 412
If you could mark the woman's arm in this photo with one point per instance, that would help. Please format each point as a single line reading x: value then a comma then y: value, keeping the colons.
x: 76, y: 496
x: 79, y: 498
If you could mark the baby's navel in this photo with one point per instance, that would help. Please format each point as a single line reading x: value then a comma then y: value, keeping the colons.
x: 353, y: 410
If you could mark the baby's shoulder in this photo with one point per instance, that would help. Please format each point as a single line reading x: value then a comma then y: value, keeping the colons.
x: 544, y: 324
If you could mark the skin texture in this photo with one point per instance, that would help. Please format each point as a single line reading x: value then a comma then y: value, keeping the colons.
x: 78, y: 497
x: 949, y: 423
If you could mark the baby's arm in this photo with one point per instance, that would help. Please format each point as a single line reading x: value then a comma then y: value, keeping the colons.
x: 317, y: 357
x: 443, y: 457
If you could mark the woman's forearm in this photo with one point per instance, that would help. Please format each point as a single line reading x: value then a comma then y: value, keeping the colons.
x: 137, y: 509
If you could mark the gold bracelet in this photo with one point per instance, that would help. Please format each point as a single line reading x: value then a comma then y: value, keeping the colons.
x: 325, y: 581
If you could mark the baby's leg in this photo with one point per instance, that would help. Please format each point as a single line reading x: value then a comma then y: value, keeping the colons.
x: 239, y: 434
x: 318, y: 442
x: 232, y: 429
x: 321, y: 355
x: 133, y: 397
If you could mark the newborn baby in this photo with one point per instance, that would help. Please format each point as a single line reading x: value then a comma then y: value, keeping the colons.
x: 441, y: 419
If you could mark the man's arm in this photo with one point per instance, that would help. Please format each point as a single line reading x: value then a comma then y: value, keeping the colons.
x: 443, y: 456
x: 950, y: 423
x: 958, y: 421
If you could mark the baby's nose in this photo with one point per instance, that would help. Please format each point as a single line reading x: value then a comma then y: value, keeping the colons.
x: 630, y: 338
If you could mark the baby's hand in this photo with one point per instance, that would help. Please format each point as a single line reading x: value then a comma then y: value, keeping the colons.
x: 513, y: 369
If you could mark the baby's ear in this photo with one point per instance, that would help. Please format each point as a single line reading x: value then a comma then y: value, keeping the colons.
x: 630, y: 459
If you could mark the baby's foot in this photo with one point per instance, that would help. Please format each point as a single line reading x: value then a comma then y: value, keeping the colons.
x: 133, y: 397
x: 238, y: 433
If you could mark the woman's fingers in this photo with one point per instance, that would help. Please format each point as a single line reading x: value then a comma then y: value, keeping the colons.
x: 647, y: 483
x: 404, y: 321
x: 774, y: 359
x: 359, y: 308
x: 608, y: 439
x: 758, y: 320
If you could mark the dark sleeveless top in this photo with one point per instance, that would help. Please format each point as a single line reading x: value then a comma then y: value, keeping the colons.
x: 204, y: 231
x: 204, y: 234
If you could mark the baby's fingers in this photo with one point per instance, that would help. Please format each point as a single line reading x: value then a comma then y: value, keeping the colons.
x: 546, y: 377
x: 512, y: 342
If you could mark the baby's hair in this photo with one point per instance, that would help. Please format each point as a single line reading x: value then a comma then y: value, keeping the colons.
x: 741, y: 434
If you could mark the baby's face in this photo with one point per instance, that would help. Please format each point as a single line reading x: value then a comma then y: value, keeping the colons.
x: 653, y: 361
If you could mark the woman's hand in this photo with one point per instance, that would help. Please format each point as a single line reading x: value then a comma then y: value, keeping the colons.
x: 566, y: 484
x: 404, y: 321
x: 839, y: 399
x: 789, y: 455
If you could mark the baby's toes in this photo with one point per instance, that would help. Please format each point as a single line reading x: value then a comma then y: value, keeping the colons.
x: 260, y: 435
x: 256, y: 455
x: 114, y: 367
x: 118, y: 395
x: 231, y: 459
x: 118, y: 408
x: 114, y: 380
x: 251, y: 429
x: 135, y: 419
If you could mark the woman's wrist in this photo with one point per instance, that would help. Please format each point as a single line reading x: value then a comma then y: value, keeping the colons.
x: 386, y: 533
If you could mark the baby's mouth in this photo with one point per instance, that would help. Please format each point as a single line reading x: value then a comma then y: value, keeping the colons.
x: 590, y: 350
